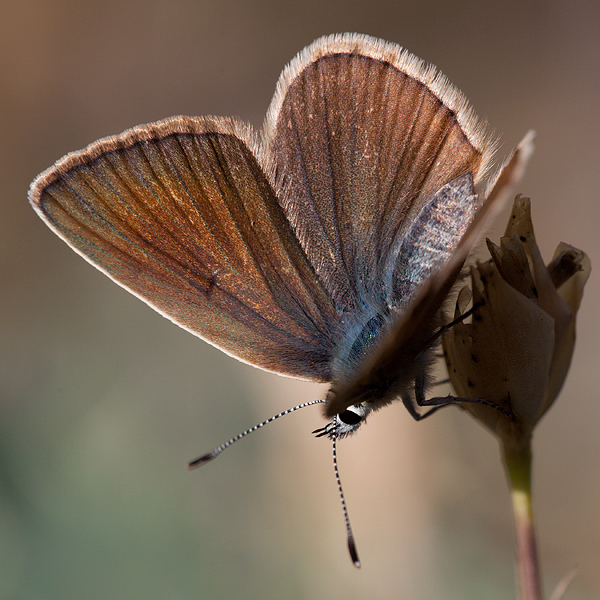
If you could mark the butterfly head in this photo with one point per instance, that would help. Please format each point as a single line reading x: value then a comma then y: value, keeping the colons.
x: 345, y: 423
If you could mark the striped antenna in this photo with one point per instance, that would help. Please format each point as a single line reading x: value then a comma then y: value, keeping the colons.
x: 214, y: 453
x: 349, y: 535
x: 329, y: 430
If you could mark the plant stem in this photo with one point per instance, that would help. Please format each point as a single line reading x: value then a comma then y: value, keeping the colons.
x: 518, y: 467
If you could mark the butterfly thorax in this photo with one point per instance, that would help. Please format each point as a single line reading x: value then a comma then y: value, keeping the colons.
x: 369, y: 387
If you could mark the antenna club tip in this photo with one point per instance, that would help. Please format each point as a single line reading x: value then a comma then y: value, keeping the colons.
x: 353, y: 553
x: 200, y: 461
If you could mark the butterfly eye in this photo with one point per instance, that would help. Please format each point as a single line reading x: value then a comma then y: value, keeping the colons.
x: 349, y: 417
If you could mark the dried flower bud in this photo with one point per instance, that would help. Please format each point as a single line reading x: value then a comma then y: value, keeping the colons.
x: 516, y: 351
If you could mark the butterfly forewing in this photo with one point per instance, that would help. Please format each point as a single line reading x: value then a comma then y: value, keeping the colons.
x: 181, y: 214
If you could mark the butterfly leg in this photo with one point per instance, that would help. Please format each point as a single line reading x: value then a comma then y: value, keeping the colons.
x: 444, y: 328
x: 412, y: 411
x: 440, y: 402
x: 420, y: 400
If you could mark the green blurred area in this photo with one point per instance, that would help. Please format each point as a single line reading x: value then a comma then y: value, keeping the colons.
x: 103, y: 401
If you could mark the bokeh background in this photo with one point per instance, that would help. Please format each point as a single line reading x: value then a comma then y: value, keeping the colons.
x: 103, y: 401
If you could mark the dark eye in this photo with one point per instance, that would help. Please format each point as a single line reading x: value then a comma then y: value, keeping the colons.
x: 349, y: 418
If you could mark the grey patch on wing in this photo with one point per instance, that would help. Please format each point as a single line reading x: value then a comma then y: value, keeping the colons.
x: 433, y: 236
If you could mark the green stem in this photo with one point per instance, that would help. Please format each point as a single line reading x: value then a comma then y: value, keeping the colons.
x: 518, y: 468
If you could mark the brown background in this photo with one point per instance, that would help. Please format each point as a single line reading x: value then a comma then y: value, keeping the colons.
x: 103, y: 401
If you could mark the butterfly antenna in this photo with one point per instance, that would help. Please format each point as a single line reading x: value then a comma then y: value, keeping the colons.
x: 351, y: 543
x: 214, y: 453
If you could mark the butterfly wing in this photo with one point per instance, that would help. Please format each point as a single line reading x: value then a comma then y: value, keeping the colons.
x: 364, y: 134
x: 181, y: 214
x: 408, y: 339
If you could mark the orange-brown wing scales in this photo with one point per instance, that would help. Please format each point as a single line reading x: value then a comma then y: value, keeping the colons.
x: 363, y: 146
x: 190, y: 224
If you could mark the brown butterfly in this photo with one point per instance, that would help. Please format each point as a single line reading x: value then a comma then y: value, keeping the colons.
x: 321, y: 248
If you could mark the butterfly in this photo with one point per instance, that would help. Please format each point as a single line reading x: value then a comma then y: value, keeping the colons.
x: 321, y: 248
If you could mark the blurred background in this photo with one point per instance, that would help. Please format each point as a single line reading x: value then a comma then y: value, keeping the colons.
x: 103, y: 401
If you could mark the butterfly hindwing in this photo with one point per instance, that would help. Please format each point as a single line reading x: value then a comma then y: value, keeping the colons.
x: 365, y: 134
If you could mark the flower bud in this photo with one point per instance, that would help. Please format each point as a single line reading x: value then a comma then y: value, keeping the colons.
x: 516, y: 351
